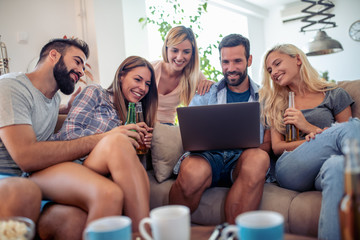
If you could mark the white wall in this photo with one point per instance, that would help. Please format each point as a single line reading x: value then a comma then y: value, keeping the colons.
x: 109, y: 25
x: 118, y: 34
x: 341, y: 66
x: 112, y: 30
x: 40, y: 21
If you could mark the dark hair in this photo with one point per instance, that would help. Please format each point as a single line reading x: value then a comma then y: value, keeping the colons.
x: 61, y: 45
x: 149, y: 101
x: 234, y: 40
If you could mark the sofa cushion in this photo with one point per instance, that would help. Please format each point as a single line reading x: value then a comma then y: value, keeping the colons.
x: 304, y: 213
x: 166, y: 149
x: 300, y: 210
x: 353, y: 88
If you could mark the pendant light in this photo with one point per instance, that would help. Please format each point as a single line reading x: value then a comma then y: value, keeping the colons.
x: 321, y: 44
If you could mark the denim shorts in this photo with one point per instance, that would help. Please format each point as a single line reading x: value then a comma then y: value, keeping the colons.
x: 222, y: 164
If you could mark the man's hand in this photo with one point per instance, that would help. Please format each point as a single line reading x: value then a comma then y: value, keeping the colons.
x: 65, y: 108
x: 139, y: 132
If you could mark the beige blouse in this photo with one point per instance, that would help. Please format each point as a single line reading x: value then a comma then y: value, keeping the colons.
x: 167, y: 103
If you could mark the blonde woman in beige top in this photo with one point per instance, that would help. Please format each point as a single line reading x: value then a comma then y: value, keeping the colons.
x: 178, y: 75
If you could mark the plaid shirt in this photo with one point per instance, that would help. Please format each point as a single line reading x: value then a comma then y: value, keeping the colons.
x: 92, y: 112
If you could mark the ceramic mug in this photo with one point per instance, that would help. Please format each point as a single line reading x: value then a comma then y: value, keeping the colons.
x: 257, y: 225
x: 109, y: 228
x: 167, y: 222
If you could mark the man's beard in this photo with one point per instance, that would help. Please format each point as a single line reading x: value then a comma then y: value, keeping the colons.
x: 62, y: 77
x: 237, y: 82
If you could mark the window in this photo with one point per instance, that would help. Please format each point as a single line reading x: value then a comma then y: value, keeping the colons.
x: 219, y: 19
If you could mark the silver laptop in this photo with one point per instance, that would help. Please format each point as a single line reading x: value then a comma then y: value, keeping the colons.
x: 220, y: 126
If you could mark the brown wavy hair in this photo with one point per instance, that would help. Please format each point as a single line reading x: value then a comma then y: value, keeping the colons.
x: 149, y: 101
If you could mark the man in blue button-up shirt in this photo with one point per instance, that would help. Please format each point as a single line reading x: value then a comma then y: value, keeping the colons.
x: 243, y: 170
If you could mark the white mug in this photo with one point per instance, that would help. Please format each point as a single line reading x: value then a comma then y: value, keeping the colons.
x: 257, y: 225
x: 109, y: 228
x: 167, y: 222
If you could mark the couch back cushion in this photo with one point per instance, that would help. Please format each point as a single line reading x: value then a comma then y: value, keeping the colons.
x: 353, y: 88
x: 166, y: 149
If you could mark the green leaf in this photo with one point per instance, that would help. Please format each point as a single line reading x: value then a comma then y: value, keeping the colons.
x: 205, y: 7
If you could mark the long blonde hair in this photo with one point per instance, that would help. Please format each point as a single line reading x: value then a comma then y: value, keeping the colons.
x: 190, y: 76
x: 149, y: 101
x: 274, y: 98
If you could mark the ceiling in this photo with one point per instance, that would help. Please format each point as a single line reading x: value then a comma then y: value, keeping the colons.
x: 270, y: 3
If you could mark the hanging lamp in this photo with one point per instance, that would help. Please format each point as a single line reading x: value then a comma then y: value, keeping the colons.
x: 321, y: 44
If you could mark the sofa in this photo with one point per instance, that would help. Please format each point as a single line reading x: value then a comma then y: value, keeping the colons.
x: 301, y: 210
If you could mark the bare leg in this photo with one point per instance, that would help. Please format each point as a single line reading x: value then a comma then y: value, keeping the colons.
x: 194, y: 178
x: 73, y: 184
x: 19, y: 197
x: 249, y: 178
x: 61, y: 222
x: 116, y: 155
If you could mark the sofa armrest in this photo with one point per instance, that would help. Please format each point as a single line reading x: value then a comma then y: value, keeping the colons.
x: 353, y: 88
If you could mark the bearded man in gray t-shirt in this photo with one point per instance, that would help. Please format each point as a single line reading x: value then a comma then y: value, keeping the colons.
x: 29, y: 107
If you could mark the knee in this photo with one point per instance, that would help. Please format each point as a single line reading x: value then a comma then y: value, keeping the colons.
x: 21, y: 190
x: 115, y: 142
x: 350, y: 129
x: 334, y: 167
x: 191, y: 179
x: 20, y: 197
x: 109, y: 196
x: 61, y: 222
x: 254, y: 166
x: 258, y: 161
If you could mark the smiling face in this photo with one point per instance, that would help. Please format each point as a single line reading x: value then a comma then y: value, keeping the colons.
x: 179, y: 55
x: 284, y: 70
x: 234, y: 64
x: 69, y: 69
x: 136, y: 83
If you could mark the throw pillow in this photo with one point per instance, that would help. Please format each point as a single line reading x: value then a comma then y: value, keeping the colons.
x: 166, y: 149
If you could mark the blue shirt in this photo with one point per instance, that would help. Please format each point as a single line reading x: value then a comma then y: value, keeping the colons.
x: 218, y: 95
x: 232, y: 97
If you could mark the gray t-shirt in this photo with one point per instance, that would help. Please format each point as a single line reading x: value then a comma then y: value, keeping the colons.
x: 22, y: 103
x: 336, y: 100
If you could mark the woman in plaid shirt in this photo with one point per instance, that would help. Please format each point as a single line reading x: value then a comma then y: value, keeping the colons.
x: 96, y: 110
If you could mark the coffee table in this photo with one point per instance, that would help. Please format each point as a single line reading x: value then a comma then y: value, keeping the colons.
x: 204, y: 232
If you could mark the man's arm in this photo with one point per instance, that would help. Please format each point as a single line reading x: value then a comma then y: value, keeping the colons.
x: 31, y: 155
x: 266, y: 145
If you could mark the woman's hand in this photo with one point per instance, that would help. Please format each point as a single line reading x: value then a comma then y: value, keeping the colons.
x: 146, y: 138
x: 295, y: 117
x: 312, y: 134
x: 203, y: 86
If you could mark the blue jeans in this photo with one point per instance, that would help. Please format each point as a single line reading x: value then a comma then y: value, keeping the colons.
x: 319, y: 164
